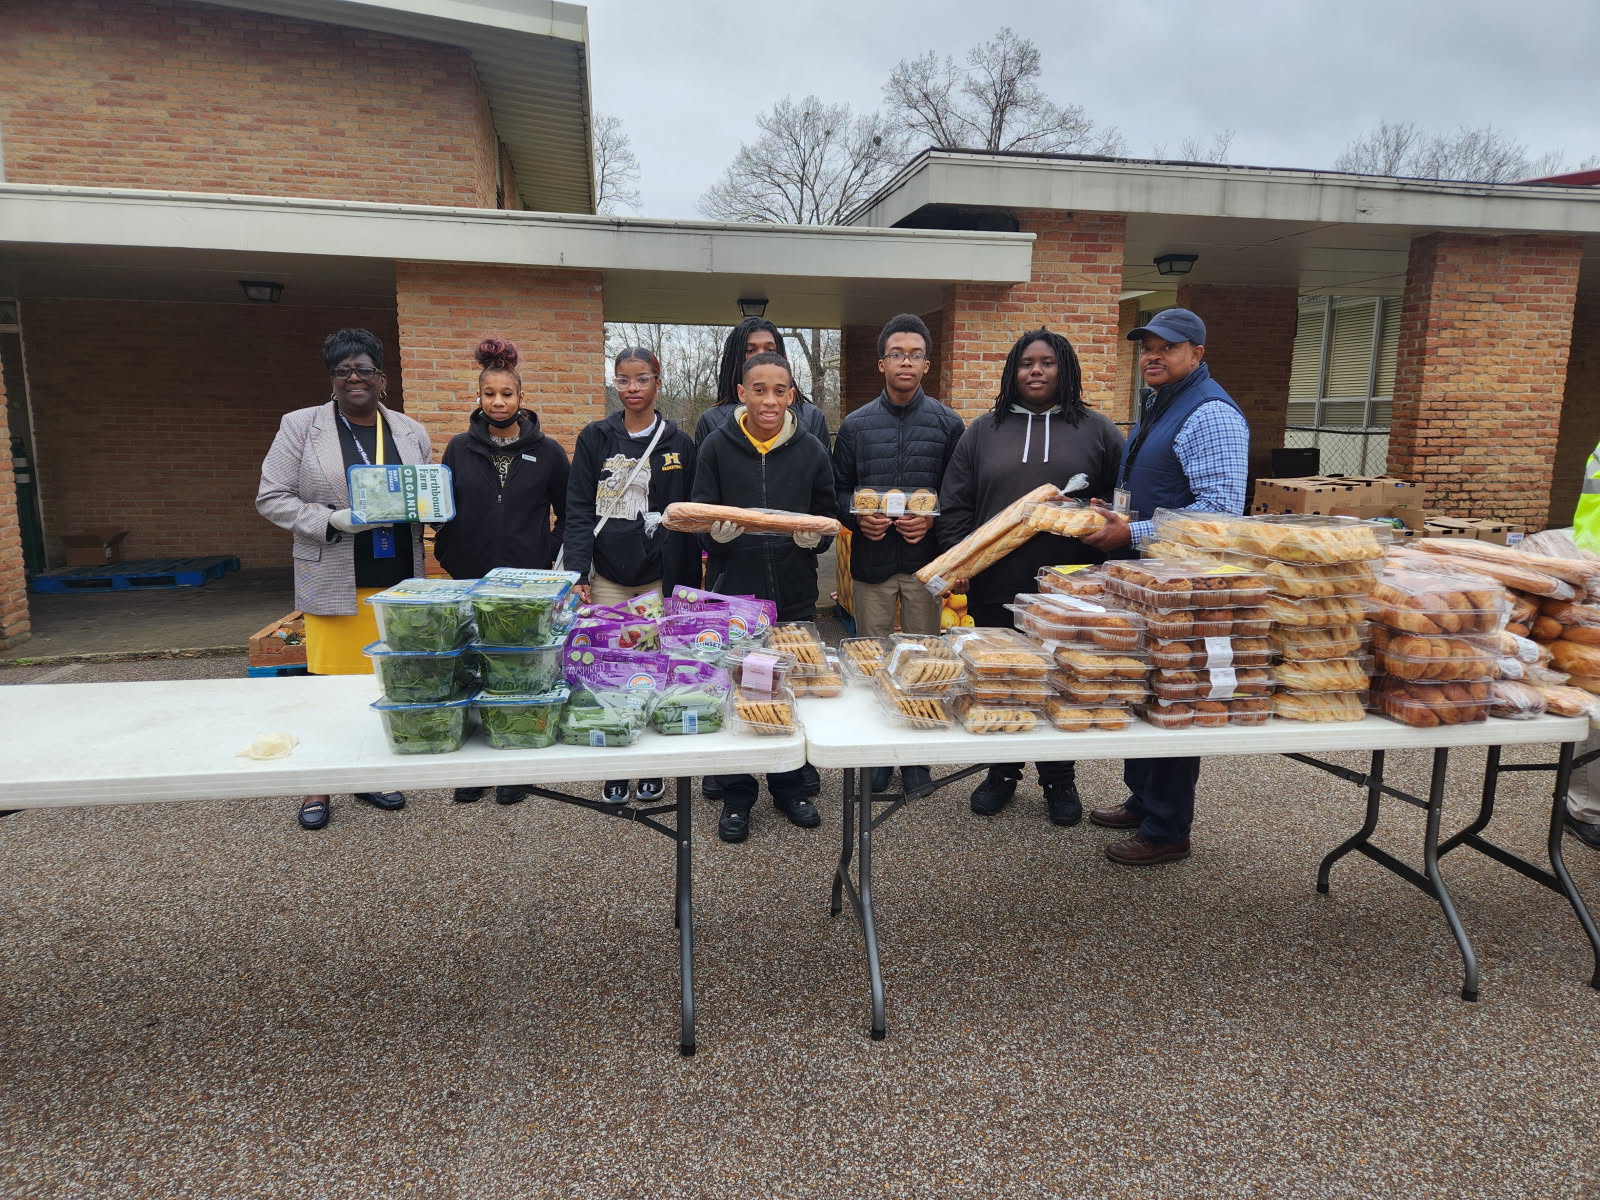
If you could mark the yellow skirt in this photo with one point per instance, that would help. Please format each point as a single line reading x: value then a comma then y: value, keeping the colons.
x: 333, y: 644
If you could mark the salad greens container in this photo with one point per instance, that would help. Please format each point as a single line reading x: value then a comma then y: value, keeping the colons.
x: 525, y: 722
x: 414, y: 492
x: 433, y: 728
x: 518, y: 670
x: 516, y: 607
x: 604, y: 718
x: 413, y: 676
x: 431, y: 615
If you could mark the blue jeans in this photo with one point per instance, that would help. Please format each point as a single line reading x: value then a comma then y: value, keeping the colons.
x: 1161, y: 794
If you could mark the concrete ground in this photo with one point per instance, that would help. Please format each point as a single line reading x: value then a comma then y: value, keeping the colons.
x: 201, y: 1000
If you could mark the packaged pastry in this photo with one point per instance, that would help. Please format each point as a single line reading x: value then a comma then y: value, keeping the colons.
x: 826, y: 680
x: 1082, y: 580
x: 1100, y: 664
x: 1319, y: 706
x: 1184, y: 583
x: 1515, y: 701
x: 801, y: 639
x: 1000, y: 653
x: 983, y: 716
x: 1440, y: 658
x: 1313, y: 612
x: 1104, y: 691
x: 1324, y: 675
x: 1073, y: 619
x: 895, y: 501
x: 1064, y: 518
x: 1222, y: 683
x: 918, y: 662
x: 1294, y: 539
x: 760, y: 668
x: 998, y: 689
x: 770, y: 713
x: 1430, y: 704
x: 863, y: 656
x: 1167, y: 714
x: 1336, y: 641
x: 1424, y: 602
x: 1190, y: 654
x: 1182, y: 624
x: 1250, y: 710
x: 916, y: 709
x: 1080, y: 718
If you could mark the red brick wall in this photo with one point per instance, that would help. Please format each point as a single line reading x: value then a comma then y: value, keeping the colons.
x: 859, y: 377
x: 13, y: 583
x: 1121, y: 405
x: 160, y: 94
x: 155, y: 417
x: 1250, y: 349
x: 1580, y: 413
x: 1077, y: 277
x: 1481, y: 370
x: 556, y: 318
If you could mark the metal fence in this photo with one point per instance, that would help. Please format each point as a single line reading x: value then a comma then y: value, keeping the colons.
x: 1345, y: 451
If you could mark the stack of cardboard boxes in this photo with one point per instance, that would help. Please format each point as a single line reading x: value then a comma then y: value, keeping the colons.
x: 1400, y: 501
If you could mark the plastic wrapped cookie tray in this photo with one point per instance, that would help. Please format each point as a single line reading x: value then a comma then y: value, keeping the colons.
x: 1324, y: 675
x: 920, y: 663
x: 1104, y: 692
x: 1048, y: 617
x: 1201, y: 654
x: 1339, y: 641
x: 1072, y: 717
x: 1206, y: 714
x: 863, y: 657
x: 1185, y: 583
x: 1085, y: 582
x: 999, y: 653
x: 919, y: 711
x: 1294, y: 539
x: 985, y: 716
x: 1182, y: 624
x: 1222, y: 683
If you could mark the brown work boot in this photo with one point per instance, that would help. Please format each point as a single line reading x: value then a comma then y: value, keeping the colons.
x: 1116, y: 817
x: 1136, y: 852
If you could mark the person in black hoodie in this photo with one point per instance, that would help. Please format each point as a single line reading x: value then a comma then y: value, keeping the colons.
x: 761, y: 458
x: 615, y: 498
x: 1040, y: 431
x: 508, y: 478
x: 752, y: 336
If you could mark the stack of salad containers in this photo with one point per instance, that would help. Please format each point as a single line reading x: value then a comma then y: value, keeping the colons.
x: 1436, y: 638
x: 519, y: 616
x: 1100, y: 664
x: 423, y: 626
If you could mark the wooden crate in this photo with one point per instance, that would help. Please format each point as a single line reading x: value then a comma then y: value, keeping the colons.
x: 281, y: 644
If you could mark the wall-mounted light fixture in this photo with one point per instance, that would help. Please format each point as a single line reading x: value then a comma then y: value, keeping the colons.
x: 261, y: 291
x: 1175, y: 264
x: 751, y: 306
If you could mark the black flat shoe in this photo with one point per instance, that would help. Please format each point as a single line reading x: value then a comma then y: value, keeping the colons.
x: 315, y: 815
x: 388, y: 801
x: 734, y: 825
x: 711, y: 788
x: 509, y: 793
x: 468, y: 795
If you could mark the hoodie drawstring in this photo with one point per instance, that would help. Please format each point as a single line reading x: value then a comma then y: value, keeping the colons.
x: 1027, y: 438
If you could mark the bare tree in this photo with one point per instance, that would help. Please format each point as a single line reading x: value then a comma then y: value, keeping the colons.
x: 812, y: 165
x: 689, y: 354
x: 817, y: 370
x: 1486, y: 155
x: 993, y: 103
x: 616, y: 168
x: 1191, y: 149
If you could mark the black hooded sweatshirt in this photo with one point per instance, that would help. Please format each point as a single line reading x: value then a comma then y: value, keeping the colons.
x: 503, y: 520
x: 605, y: 454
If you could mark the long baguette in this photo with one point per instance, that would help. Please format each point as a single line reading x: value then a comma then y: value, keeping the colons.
x: 686, y: 517
x: 952, y: 564
x: 1571, y: 570
x: 1523, y: 578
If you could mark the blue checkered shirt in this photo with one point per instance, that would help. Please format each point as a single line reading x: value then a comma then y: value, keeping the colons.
x: 1213, y: 448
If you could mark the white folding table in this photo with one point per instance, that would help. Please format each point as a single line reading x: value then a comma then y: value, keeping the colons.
x: 139, y: 743
x: 851, y: 732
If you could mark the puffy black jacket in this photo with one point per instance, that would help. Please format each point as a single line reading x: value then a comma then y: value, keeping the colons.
x: 794, y: 475
x: 808, y: 414
x: 883, y: 445
x: 605, y: 453
x: 503, y: 525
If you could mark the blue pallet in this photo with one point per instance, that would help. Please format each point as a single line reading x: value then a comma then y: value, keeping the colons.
x: 133, y: 576
x: 269, y: 672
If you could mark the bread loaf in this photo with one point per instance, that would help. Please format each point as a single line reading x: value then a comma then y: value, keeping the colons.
x: 1524, y: 579
x: 1570, y: 570
x: 685, y: 517
x: 1575, y: 658
x: 1007, y: 527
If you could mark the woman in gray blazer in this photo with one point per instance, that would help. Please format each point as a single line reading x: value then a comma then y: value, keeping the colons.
x: 338, y: 563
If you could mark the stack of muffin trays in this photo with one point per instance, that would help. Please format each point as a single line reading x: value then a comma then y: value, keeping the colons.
x: 1008, y: 684
x: 1101, y: 668
x: 1435, y: 642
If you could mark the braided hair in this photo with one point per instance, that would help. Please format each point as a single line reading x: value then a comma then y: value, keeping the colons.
x: 1069, y: 376
x: 730, y: 373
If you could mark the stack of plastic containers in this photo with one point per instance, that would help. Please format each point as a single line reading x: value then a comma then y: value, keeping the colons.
x: 919, y: 677
x: 817, y: 670
x: 1100, y: 667
x: 1008, y: 680
x: 1085, y: 582
x: 423, y: 625
x: 1436, y: 640
x: 519, y: 615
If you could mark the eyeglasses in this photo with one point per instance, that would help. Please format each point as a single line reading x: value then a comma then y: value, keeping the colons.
x: 624, y: 382
x: 896, y: 356
x: 355, y: 372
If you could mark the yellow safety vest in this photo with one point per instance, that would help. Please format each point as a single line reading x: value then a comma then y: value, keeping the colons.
x: 1586, y: 520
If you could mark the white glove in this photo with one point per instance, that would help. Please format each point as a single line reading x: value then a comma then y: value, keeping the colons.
x: 725, y: 531
x: 652, y: 522
x: 340, y: 519
x: 808, y: 541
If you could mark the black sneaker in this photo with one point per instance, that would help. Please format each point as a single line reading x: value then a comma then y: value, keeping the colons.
x: 711, y: 788
x: 1587, y: 832
x: 882, y: 777
x: 1062, y: 804
x: 810, y: 780
x: 735, y: 823
x: 649, y: 791
x: 509, y: 793
x: 468, y: 795
x: 799, y: 810
x: 616, y: 791
x: 914, y: 779
x: 995, y: 792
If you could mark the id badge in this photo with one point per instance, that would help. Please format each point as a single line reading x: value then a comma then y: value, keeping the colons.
x: 1121, y: 501
x: 383, y: 542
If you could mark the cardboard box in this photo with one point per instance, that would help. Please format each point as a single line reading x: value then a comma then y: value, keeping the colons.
x: 94, y: 549
x: 1498, y: 532
x: 1456, y: 527
x: 1386, y: 489
x: 1313, y: 494
x: 281, y: 644
x: 1409, y: 519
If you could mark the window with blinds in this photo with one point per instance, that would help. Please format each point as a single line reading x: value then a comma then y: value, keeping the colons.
x: 1344, y: 355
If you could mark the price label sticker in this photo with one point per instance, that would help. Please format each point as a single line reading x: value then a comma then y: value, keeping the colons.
x: 894, y: 504
x: 1219, y: 652
x: 1223, y: 681
x: 691, y: 721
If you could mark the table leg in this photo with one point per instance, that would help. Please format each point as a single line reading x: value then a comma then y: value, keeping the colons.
x: 1430, y: 862
x: 1363, y: 835
x: 685, y: 895
x: 847, y: 824
x: 1491, y: 783
x: 869, y: 927
x: 1558, y: 861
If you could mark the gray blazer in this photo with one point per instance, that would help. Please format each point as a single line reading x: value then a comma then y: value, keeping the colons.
x: 303, y: 481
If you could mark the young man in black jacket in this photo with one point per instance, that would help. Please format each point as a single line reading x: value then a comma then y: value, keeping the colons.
x: 761, y: 458
x: 900, y: 441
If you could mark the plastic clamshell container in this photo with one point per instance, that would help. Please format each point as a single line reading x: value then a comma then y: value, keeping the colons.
x: 863, y: 657
x: 525, y: 722
x: 417, y: 676
x: 1165, y: 583
x: 1202, y: 654
x: 401, y: 493
x: 1000, y: 654
x: 1206, y: 714
x: 680, y: 713
x: 760, y: 668
x: 801, y: 639
x: 518, y: 607
x: 1086, y: 582
x: 424, y: 614
x: 1293, y: 538
x: 770, y: 714
x: 1073, y: 717
x: 614, y: 719
x: 1320, y: 707
x: 438, y: 727
x: 1074, y: 619
x: 518, y: 670
x: 827, y: 680
x: 1093, y: 663
x: 1181, y: 624
x: 1223, y: 683
x: 1317, y: 612
x: 1430, y: 704
x: 1097, y: 693
x: 918, y: 710
x: 1458, y: 659
x: 1324, y: 675
x: 982, y: 716
x: 919, y: 663
x: 1335, y: 641
x: 895, y: 502
x: 998, y: 689
x: 1296, y: 580
x: 1423, y: 602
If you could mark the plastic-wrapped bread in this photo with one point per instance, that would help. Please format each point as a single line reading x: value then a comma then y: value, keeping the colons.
x: 1515, y: 701
x: 1570, y: 702
x: 686, y: 517
x: 1575, y: 658
x: 1578, y: 573
x: 1522, y: 578
x: 1579, y: 622
x: 1006, y: 528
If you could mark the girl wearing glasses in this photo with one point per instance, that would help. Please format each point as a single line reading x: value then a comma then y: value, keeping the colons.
x: 304, y: 490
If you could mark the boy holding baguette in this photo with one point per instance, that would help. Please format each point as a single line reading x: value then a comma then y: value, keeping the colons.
x: 1039, y: 432
x: 761, y: 458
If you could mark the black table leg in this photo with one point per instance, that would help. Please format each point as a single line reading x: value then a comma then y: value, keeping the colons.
x: 1363, y: 835
x: 685, y: 894
x: 1558, y: 861
x: 847, y: 845
x: 869, y: 925
x: 1430, y: 862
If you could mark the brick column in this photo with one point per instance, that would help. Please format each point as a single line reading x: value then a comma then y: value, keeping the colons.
x: 1484, y: 333
x: 13, y: 582
x: 1250, y: 349
x: 1077, y: 277
x: 859, y: 378
x: 555, y: 317
x: 1580, y: 413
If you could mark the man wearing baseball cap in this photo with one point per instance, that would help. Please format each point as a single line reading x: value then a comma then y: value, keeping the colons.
x: 1189, y: 450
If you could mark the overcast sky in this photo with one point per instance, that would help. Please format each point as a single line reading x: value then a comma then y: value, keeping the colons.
x: 1294, y: 79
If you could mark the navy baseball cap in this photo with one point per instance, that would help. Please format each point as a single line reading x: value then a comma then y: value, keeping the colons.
x: 1173, y: 325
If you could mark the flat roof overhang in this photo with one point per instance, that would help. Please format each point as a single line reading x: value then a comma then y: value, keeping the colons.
x: 118, y: 243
